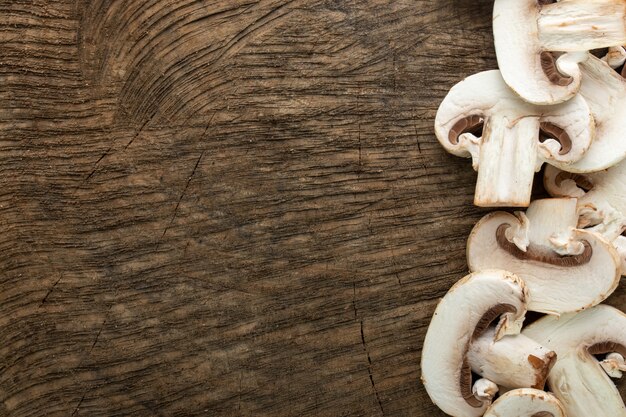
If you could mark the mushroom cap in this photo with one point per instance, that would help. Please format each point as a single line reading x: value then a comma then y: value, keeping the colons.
x: 485, y: 95
x: 526, y: 402
x: 556, y: 284
x: 615, y: 56
x: 463, y: 314
x: 601, y: 201
x: 519, y: 52
x: 602, y: 192
x: 600, y: 326
x: 604, y: 90
x: 620, y: 245
x: 577, y: 378
x: 607, y: 197
x: 559, y: 183
x: 526, y: 31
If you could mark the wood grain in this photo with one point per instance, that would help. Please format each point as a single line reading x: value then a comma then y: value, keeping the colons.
x: 228, y: 207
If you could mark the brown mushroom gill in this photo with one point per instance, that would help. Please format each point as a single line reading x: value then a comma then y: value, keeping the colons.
x: 470, y: 124
x: 548, y: 64
x: 581, y: 181
x: 603, y: 348
x: 548, y: 130
x: 539, y: 255
x: 465, y: 380
x: 543, y: 414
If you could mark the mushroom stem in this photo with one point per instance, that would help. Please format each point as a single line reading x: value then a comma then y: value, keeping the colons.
x: 484, y: 389
x: 578, y: 379
x: 552, y: 222
x: 514, y: 361
x: 508, y: 158
x: 584, y: 388
x: 614, y: 365
x: 580, y: 25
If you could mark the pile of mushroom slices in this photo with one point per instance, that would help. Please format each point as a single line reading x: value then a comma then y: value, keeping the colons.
x: 552, y: 101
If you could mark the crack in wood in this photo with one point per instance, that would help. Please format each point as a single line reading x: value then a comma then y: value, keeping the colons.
x: 50, y: 291
x: 369, y: 369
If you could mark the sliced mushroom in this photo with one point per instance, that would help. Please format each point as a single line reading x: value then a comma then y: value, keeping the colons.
x: 463, y: 316
x: 527, y: 31
x: 615, y: 56
x: 614, y: 365
x: 601, y: 201
x: 516, y: 138
x: 578, y: 379
x: 505, y: 361
x: 565, y: 269
x: 559, y: 183
x: 604, y: 90
x: 620, y: 245
x: 526, y: 402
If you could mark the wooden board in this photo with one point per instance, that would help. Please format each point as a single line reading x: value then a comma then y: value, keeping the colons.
x: 228, y: 207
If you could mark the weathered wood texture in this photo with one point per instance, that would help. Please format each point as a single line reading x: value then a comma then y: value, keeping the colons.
x: 228, y: 207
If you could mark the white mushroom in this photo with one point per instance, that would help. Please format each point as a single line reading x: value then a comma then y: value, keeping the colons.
x: 565, y: 269
x: 620, y: 245
x: 615, y: 56
x: 526, y: 402
x: 526, y: 32
x: 614, y: 364
x: 462, y: 317
x: 604, y: 90
x: 517, y: 137
x: 601, y: 201
x: 578, y: 379
x: 506, y: 360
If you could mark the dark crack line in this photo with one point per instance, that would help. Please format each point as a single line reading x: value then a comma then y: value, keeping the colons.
x: 79, y: 403
x: 140, y: 130
x: 369, y: 369
x: 393, y: 261
x: 98, y: 335
x: 50, y: 291
x: 182, y: 195
x: 417, y: 137
x: 104, y: 322
x: 95, y: 165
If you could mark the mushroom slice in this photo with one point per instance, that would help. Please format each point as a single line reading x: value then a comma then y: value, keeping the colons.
x: 465, y: 315
x: 604, y: 90
x: 578, y: 379
x: 620, y: 245
x: 615, y: 56
x: 565, y: 269
x: 526, y: 32
x: 516, y: 138
x: 526, y: 402
x: 614, y: 365
x: 505, y: 361
x: 601, y: 201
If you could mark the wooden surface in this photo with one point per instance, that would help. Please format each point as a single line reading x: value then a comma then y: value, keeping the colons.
x: 228, y: 208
